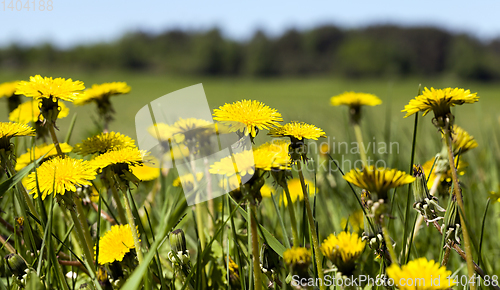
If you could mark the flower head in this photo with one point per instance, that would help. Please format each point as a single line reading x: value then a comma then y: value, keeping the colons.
x: 297, y: 256
x: 39, y: 151
x: 46, y: 87
x: 424, y: 275
x: 445, y: 172
x: 295, y: 189
x: 298, y: 130
x: 248, y: 116
x: 98, y: 92
x: 122, y: 156
x: 461, y: 140
x: 30, y: 112
x: 378, y: 180
x: 440, y: 101
x: 8, y: 89
x: 356, y: 221
x: 103, y: 143
x: 115, y: 244
x: 58, y: 175
x: 343, y: 249
x: 145, y: 173
x: 9, y: 130
x: 353, y: 99
x: 187, y: 180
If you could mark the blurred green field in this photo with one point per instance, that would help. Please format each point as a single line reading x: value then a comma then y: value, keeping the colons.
x: 307, y: 99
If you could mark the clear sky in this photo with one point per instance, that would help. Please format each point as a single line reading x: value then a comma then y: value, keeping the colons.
x: 87, y: 21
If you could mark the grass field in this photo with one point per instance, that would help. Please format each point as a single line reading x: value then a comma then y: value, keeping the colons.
x: 308, y: 100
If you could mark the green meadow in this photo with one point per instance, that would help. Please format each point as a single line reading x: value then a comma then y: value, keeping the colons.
x: 308, y: 100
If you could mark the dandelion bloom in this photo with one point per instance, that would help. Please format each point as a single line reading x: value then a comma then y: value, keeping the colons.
x: 60, y: 174
x: 248, y: 116
x: 445, y: 175
x: 182, y: 129
x: 420, y: 274
x: 355, y: 220
x: 297, y: 256
x: 353, y: 99
x: 343, y: 249
x: 295, y: 189
x: 378, y: 180
x: 461, y: 140
x: 102, y: 91
x: 123, y: 156
x: 8, y: 89
x: 39, y: 151
x: 30, y: 112
x: 145, y: 173
x: 103, y: 143
x: 46, y: 87
x: 297, y: 130
x: 9, y: 130
x: 115, y: 244
x: 439, y: 101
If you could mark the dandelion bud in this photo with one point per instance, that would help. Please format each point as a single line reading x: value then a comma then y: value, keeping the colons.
x: 178, y: 241
x: 451, y: 227
x: 15, y: 264
x: 425, y: 203
x: 269, y: 259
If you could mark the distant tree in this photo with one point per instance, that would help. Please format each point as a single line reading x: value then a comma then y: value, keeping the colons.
x: 260, y: 57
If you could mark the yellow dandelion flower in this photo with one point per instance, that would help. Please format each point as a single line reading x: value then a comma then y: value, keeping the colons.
x: 439, y: 101
x: 295, y: 188
x: 58, y: 175
x: 39, y: 151
x: 356, y: 221
x: 9, y: 130
x: 102, y: 91
x: 127, y: 156
x: 378, y: 180
x: 495, y: 196
x: 461, y: 140
x: 186, y: 181
x: 298, y: 130
x: 276, y: 152
x: 182, y: 129
x: 30, y: 112
x: 145, y: 173
x: 232, y: 183
x: 247, y: 116
x: 8, y: 89
x: 297, y: 256
x: 446, y: 176
x: 353, y: 99
x: 103, y: 143
x: 44, y: 87
x: 343, y: 249
x: 420, y: 274
x: 115, y: 244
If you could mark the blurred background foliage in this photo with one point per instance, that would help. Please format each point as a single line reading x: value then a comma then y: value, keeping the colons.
x: 375, y: 51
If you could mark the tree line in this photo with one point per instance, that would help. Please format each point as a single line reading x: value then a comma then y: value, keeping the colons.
x: 367, y: 52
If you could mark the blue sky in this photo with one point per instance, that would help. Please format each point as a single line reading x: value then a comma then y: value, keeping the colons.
x: 78, y: 22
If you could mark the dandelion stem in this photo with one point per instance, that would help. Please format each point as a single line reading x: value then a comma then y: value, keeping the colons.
x: 54, y: 138
x: 119, y: 205
x: 446, y: 256
x: 312, y: 226
x: 291, y: 211
x: 361, y: 147
x: 199, y: 223
x: 133, y: 228
x: 255, y: 249
x: 81, y: 236
x: 458, y: 195
x: 83, y: 221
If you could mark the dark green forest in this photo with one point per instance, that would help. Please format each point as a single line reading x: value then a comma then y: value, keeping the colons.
x: 376, y: 51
